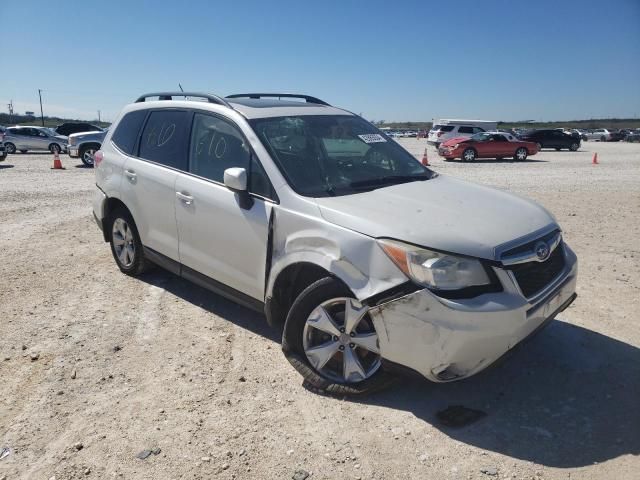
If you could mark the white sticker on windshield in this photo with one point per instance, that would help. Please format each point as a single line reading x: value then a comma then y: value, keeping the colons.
x: 372, y: 138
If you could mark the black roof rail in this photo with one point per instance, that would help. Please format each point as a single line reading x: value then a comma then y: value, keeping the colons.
x: 169, y: 96
x: 307, y: 98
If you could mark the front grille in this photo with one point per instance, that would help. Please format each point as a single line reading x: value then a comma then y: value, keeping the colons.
x: 532, y: 277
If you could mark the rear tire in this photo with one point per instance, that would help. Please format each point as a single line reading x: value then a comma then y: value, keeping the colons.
x: 297, y: 331
x: 55, y: 148
x: 574, y: 147
x: 10, y: 147
x: 126, y: 246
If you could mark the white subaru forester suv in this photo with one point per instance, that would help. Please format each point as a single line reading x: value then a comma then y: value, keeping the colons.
x: 369, y: 261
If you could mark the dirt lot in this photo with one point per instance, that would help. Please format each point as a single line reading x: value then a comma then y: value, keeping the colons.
x: 96, y: 367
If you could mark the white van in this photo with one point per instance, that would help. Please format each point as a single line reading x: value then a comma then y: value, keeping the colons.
x: 445, y: 129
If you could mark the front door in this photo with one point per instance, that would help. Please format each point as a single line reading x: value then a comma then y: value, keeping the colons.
x: 218, y: 237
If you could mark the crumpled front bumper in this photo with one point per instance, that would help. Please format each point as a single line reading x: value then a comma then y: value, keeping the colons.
x: 447, y: 340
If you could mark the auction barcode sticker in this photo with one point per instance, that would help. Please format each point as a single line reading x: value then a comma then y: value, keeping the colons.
x: 372, y: 138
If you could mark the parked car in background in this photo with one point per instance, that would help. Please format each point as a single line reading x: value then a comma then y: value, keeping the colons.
x: 3, y: 151
x: 23, y: 139
x: 366, y: 258
x: 617, y: 135
x: 76, y: 127
x: 551, y: 139
x: 85, y: 145
x: 634, y: 136
x: 487, y: 145
x: 600, y: 134
x: 446, y: 129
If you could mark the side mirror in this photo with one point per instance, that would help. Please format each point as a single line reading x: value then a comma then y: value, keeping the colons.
x: 235, y: 179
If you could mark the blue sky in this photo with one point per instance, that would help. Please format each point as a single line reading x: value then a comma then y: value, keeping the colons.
x: 391, y: 60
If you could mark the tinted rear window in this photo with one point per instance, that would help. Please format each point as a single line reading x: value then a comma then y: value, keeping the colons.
x: 165, y: 138
x: 127, y: 131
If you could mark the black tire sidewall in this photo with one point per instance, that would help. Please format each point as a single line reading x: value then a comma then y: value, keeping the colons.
x: 10, y: 146
x: 467, y: 150
x: 525, y: 154
x: 82, y: 151
x: 138, y: 265
x: 318, y: 292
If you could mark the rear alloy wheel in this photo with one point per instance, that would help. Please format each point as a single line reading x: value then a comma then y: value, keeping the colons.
x: 10, y: 147
x: 87, y: 154
x: 126, y: 246
x: 521, y: 154
x: 469, y: 155
x: 574, y: 147
x: 331, y: 340
x: 55, y: 148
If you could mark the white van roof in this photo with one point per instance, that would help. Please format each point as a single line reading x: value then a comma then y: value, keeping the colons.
x: 452, y: 121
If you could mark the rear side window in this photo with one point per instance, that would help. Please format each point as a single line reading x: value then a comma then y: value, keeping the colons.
x: 447, y: 128
x: 127, y: 131
x: 165, y: 137
x: 478, y: 130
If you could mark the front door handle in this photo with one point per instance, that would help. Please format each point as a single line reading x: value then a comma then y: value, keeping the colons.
x: 131, y: 175
x: 184, y: 198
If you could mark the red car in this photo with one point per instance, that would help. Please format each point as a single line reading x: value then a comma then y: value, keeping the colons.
x: 487, y: 145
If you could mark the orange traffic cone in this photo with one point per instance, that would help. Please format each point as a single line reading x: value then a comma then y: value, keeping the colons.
x: 425, y: 159
x: 595, y: 159
x: 57, y: 164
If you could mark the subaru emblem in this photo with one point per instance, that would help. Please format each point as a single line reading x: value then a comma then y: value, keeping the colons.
x: 542, y: 251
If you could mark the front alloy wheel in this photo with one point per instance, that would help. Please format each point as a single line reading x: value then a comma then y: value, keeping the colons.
x: 340, y: 342
x: 87, y: 156
x: 469, y: 155
x: 521, y: 154
x: 574, y: 147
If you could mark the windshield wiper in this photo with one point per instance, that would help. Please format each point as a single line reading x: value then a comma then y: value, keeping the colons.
x: 388, y: 180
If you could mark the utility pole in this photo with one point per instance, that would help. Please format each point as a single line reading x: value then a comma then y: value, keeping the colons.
x: 98, y: 116
x: 41, y: 113
x: 10, y: 105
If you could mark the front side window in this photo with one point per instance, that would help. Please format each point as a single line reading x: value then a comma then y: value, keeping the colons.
x: 326, y: 155
x: 481, y: 137
x: 466, y: 130
x: 164, y: 138
x: 215, y: 146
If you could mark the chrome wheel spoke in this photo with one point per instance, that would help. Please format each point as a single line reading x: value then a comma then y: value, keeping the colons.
x: 320, y: 355
x: 368, y: 341
x: 122, y: 255
x: 118, y: 241
x: 354, y: 312
x: 352, y: 368
x: 321, y: 320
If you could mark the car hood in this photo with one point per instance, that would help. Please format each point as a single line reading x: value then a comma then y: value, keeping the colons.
x: 62, y: 138
x: 453, y: 141
x: 442, y: 213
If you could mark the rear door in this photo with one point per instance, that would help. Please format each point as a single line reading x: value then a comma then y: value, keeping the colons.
x: 219, y: 238
x: 148, y: 187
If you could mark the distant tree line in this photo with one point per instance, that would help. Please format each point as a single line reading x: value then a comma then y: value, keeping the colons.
x: 609, y: 123
x: 8, y: 120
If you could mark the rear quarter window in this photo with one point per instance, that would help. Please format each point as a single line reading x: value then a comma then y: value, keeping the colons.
x: 128, y: 130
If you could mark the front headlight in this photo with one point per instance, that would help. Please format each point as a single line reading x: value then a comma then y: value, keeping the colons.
x: 435, y: 270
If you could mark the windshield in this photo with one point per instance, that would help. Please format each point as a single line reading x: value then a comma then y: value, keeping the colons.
x: 326, y: 155
x: 480, y: 137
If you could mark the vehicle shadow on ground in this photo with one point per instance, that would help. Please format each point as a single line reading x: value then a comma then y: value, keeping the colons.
x: 567, y: 398
x: 83, y: 166
x: 2, y: 167
x: 502, y: 160
x: 228, y: 310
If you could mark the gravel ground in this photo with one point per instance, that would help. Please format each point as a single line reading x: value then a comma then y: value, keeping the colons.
x: 97, y: 367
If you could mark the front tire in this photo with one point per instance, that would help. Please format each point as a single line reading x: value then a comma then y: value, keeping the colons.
x: 126, y: 246
x: 574, y: 147
x: 331, y: 341
x: 10, y: 147
x: 521, y: 154
x: 55, y: 148
x: 87, y: 154
x: 469, y: 155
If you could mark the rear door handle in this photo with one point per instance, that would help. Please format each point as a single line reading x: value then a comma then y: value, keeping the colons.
x: 131, y: 175
x: 184, y: 198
